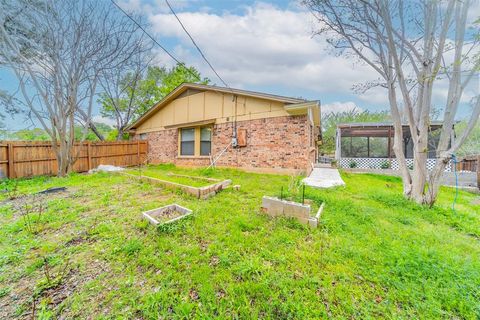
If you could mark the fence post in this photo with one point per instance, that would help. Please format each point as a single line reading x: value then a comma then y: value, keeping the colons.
x: 138, y: 152
x: 89, y: 155
x: 10, y: 157
x: 478, y: 172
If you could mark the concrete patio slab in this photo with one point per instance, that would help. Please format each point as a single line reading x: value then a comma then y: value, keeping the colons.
x: 324, y: 178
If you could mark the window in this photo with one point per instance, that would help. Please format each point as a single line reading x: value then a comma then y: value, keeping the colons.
x: 196, y: 142
x: 205, y: 141
x: 378, y: 147
x: 355, y: 147
x: 143, y: 136
x: 187, y: 142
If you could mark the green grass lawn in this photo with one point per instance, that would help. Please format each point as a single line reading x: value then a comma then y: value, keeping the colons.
x: 375, y: 255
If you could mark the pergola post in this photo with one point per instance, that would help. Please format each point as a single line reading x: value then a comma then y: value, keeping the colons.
x: 338, y: 145
x: 368, y: 147
x: 389, y: 152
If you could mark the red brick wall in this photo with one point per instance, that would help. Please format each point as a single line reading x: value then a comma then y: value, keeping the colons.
x: 162, y: 145
x: 273, y: 144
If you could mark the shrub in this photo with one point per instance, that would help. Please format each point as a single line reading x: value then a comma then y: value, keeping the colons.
x: 385, y: 165
x: 352, y: 164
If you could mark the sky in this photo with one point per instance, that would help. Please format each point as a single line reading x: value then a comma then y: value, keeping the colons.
x: 265, y: 46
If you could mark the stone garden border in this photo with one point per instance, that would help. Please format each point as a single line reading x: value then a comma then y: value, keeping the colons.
x: 150, y: 215
x: 198, y: 192
x: 276, y: 207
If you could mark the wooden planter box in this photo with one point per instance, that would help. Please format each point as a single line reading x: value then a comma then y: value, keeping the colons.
x: 198, y: 192
x: 166, y: 214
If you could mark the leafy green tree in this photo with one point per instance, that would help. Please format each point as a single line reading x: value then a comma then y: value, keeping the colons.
x: 38, y: 134
x: 35, y: 134
x: 472, y: 144
x: 159, y: 82
x: 332, y: 119
x: 127, y: 96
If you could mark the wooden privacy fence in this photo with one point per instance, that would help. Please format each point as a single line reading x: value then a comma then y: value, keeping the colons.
x: 470, y: 163
x: 27, y: 159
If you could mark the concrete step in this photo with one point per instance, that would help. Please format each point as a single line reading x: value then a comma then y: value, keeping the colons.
x: 322, y: 165
x: 324, y: 178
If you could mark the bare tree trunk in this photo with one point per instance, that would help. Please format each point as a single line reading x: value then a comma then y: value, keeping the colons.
x: 419, y: 176
x: 62, y: 158
x: 434, y: 181
x: 398, y: 141
x: 120, y: 133
x: 94, y: 129
x: 85, y: 118
x: 402, y: 163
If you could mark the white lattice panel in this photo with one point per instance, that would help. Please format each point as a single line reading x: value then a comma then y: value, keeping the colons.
x: 377, y: 163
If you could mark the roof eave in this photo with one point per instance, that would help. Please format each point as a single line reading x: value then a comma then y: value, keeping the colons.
x: 184, y: 86
x: 302, y: 107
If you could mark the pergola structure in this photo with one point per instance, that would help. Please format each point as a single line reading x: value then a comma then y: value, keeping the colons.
x: 370, y: 145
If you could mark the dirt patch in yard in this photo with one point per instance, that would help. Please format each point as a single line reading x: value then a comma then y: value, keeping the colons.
x: 168, y: 214
x: 24, y: 303
x: 19, y: 203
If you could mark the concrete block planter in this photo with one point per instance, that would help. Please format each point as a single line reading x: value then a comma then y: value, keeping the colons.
x: 166, y: 214
x: 276, y: 207
x: 198, y: 192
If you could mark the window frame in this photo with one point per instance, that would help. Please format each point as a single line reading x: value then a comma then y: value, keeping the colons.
x: 196, y: 142
x: 209, y: 141
x: 180, y: 147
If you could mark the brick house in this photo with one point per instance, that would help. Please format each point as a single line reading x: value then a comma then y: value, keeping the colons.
x: 198, y: 124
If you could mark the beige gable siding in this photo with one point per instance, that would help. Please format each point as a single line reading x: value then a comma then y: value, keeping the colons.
x: 213, y: 99
x: 209, y: 105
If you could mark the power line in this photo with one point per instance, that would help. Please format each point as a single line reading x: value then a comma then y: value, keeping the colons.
x: 234, y: 123
x: 196, y: 46
x: 155, y: 41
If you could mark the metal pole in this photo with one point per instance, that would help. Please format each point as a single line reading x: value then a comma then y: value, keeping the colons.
x: 303, y: 195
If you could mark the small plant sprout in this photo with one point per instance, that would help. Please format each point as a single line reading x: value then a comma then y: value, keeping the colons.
x: 54, y: 278
x: 31, y: 211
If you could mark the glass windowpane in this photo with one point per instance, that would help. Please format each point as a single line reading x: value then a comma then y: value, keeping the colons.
x: 187, y: 148
x: 378, y: 147
x: 188, y: 134
x: 205, y: 148
x: 206, y: 134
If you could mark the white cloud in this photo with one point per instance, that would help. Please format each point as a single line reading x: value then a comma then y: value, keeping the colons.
x: 473, y: 12
x: 266, y: 46
x: 340, y: 107
x: 98, y: 118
